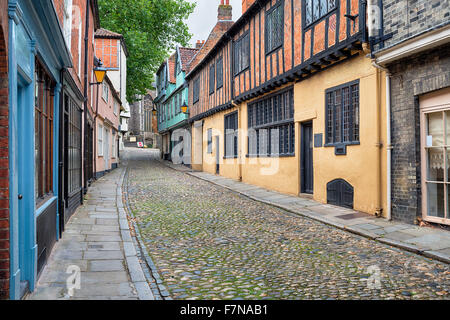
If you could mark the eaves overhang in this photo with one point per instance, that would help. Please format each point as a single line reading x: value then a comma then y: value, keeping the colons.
x: 427, y: 40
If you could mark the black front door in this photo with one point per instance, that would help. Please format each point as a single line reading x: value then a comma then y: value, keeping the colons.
x: 306, y: 167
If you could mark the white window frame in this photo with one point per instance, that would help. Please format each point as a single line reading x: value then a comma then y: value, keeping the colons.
x: 105, y: 92
x: 80, y: 27
x: 68, y: 23
x: 116, y: 107
x: 113, y: 145
x: 100, y: 143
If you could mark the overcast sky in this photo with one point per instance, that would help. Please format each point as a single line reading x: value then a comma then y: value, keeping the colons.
x: 204, y: 17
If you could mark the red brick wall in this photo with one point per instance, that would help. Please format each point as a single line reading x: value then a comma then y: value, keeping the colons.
x: 4, y: 162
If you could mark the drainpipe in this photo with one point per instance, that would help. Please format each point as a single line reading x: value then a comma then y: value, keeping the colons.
x: 86, y: 84
x: 388, y: 138
x: 233, y: 103
x: 95, y: 133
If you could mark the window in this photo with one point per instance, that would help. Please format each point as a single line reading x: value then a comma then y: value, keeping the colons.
x: 116, y: 107
x: 44, y: 88
x: 342, y: 114
x: 105, y: 91
x: 100, y: 141
x: 113, y: 145
x: 73, y: 155
x: 180, y: 101
x: 209, y: 133
x: 219, y: 73
x: 212, y: 79
x: 196, y: 90
x: 271, y: 125
x: 242, y: 54
x: 231, y: 135
x: 317, y: 9
x: 274, y: 28
x: 80, y: 28
x: 68, y: 23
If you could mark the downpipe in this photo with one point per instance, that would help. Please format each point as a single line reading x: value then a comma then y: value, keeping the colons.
x: 388, y: 141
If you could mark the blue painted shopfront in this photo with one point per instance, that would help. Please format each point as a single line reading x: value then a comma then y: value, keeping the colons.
x: 35, y: 38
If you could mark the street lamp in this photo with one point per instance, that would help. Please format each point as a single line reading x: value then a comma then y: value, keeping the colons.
x: 100, y: 73
x: 154, y: 111
x: 184, y: 108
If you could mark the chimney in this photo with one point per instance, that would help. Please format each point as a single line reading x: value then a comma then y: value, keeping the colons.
x: 199, y: 44
x: 225, y: 11
x: 246, y: 4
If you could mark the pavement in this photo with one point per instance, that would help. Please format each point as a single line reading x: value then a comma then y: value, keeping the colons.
x: 432, y: 242
x: 96, y: 256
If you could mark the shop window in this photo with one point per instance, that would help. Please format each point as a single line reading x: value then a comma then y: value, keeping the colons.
x: 44, y: 95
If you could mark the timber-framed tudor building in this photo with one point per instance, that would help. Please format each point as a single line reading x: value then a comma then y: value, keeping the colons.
x: 286, y: 99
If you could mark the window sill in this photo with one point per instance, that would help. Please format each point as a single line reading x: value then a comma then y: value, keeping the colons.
x: 230, y: 157
x: 338, y: 144
x: 271, y: 156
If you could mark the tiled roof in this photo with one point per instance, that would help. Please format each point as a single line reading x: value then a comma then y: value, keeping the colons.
x: 104, y: 33
x: 218, y: 31
x: 186, y: 55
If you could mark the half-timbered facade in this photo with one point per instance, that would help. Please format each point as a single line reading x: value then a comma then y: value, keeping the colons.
x: 309, y: 105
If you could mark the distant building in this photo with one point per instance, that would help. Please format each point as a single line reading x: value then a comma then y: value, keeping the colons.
x: 172, y: 93
x: 111, y: 49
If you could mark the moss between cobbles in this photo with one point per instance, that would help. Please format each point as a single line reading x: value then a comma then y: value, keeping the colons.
x: 209, y: 243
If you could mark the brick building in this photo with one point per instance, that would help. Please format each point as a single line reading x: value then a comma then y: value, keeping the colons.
x: 413, y: 43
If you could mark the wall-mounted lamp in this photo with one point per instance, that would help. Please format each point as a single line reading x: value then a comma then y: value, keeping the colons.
x: 100, y: 73
x: 184, y: 108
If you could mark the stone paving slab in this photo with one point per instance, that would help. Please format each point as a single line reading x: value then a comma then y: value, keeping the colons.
x: 432, y: 242
x: 99, y: 247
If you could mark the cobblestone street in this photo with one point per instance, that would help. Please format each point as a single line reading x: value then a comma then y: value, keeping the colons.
x: 211, y: 243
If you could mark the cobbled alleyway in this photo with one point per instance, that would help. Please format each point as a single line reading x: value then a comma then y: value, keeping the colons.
x: 211, y: 243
